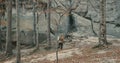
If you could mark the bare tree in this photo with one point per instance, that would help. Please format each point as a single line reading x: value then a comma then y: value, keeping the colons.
x: 102, y: 32
x: 2, y: 14
x: 8, y: 34
x: 18, y: 55
x: 0, y: 27
x: 37, y: 31
x: 49, y: 19
x: 57, y: 22
x: 0, y: 34
x: 69, y: 9
x: 57, y: 26
x: 34, y: 21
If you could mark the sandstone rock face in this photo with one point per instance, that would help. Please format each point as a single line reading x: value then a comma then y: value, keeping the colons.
x: 80, y: 9
x: 112, y: 17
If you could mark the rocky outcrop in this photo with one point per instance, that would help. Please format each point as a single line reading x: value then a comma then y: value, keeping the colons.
x: 112, y: 16
x: 74, y: 16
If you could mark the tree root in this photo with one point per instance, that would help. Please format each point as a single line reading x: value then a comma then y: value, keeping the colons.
x: 102, y: 45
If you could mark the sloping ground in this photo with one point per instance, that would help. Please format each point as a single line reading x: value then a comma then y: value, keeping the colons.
x: 82, y: 54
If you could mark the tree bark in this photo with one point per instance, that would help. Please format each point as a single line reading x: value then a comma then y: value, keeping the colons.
x: 0, y: 34
x: 57, y: 44
x: 49, y: 22
x: 18, y: 55
x: 8, y: 34
x: 102, y: 33
x: 37, y: 32
x: 34, y: 21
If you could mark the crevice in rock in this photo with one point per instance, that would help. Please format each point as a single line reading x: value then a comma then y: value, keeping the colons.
x: 71, y: 24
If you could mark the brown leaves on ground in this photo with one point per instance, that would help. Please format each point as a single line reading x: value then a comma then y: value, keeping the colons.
x: 83, y: 54
x: 89, y: 55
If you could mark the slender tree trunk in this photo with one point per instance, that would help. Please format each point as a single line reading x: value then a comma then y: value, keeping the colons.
x: 34, y: 21
x: 18, y: 55
x: 102, y: 33
x: 0, y: 34
x: 57, y: 52
x: 8, y: 34
x: 57, y: 26
x: 37, y: 32
x: 2, y: 14
x: 49, y: 20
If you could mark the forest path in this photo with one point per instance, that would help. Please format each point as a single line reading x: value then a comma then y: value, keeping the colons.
x: 82, y: 53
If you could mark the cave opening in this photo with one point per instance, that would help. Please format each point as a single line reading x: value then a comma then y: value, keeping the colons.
x: 71, y: 24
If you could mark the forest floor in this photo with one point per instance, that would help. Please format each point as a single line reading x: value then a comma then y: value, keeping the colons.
x: 77, y: 51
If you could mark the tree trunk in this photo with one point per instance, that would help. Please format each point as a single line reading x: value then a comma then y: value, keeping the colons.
x: 18, y: 55
x: 34, y: 21
x: 49, y: 19
x: 57, y: 52
x: 57, y: 57
x: 37, y: 32
x: 0, y: 34
x: 8, y: 34
x: 102, y: 33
